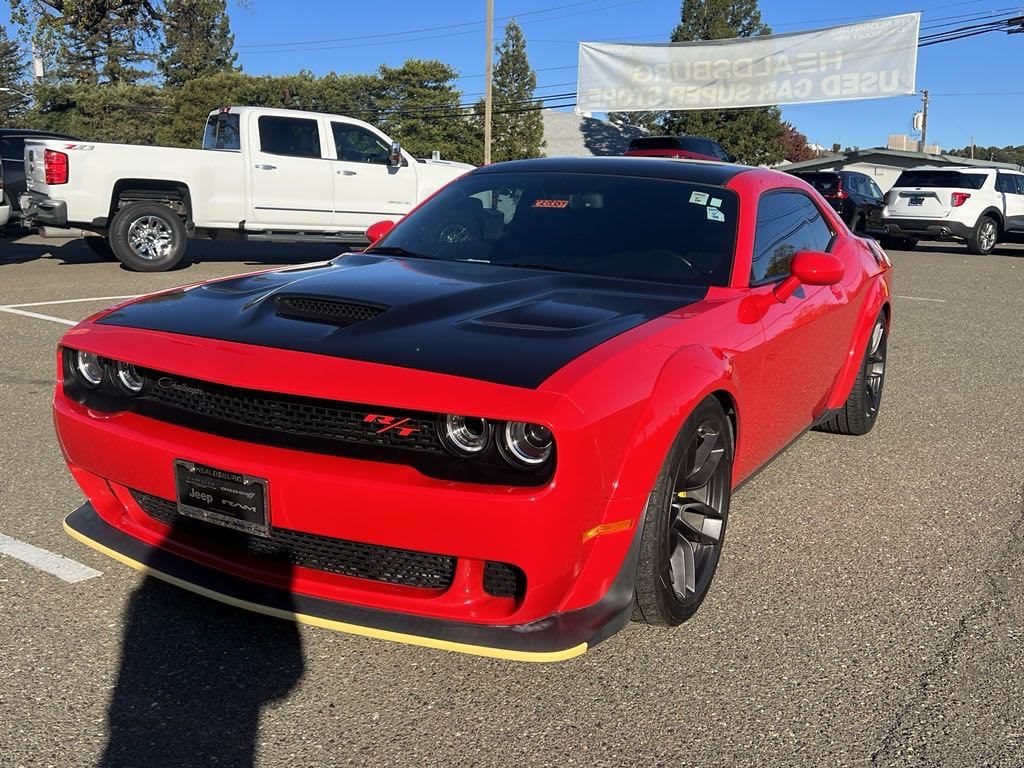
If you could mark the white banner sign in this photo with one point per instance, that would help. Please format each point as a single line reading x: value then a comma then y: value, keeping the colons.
x: 867, y: 60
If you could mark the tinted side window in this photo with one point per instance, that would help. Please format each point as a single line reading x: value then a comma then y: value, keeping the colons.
x: 787, y: 222
x: 222, y: 132
x: 874, y: 189
x: 358, y: 145
x: 1005, y: 183
x: 293, y: 136
x: 853, y: 183
x: 1020, y: 184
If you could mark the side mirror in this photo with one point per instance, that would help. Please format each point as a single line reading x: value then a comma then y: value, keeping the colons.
x: 810, y: 268
x: 378, y: 229
x: 732, y: 158
x: 395, y: 158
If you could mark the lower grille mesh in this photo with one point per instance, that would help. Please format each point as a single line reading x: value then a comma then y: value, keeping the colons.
x: 348, y: 558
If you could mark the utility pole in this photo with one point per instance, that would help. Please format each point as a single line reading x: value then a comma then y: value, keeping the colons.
x: 972, y: 147
x: 924, y: 121
x: 487, y: 82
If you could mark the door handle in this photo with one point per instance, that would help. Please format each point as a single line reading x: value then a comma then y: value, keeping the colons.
x: 266, y: 167
x: 348, y: 173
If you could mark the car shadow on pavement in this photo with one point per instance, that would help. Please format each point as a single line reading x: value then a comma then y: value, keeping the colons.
x: 20, y: 249
x: 195, y: 675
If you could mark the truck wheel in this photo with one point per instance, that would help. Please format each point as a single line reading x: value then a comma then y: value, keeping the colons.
x: 101, y: 247
x: 984, y: 236
x: 148, y: 237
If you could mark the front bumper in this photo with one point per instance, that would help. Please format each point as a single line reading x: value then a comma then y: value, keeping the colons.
x: 556, y: 638
x: 39, y: 210
x: 559, y: 535
x: 935, y: 229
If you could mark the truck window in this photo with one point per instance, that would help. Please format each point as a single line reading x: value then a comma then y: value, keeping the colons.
x: 222, y: 132
x: 292, y: 136
x: 359, y: 145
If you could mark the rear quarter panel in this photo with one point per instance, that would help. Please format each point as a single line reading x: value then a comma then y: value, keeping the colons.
x: 214, y: 179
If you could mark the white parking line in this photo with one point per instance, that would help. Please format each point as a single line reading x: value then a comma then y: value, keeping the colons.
x: 58, y: 565
x: 922, y: 298
x: 37, y: 316
x: 67, y: 301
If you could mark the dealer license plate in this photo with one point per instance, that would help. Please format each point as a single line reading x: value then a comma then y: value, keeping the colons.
x: 917, y: 201
x: 222, y: 497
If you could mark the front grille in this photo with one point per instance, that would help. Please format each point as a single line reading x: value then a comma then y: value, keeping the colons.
x: 331, y: 311
x: 503, y: 580
x: 292, y: 415
x: 322, y: 553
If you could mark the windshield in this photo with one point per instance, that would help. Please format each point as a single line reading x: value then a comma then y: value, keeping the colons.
x: 942, y: 179
x: 616, y: 226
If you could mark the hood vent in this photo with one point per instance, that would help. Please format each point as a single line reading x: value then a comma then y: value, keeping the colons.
x: 318, y: 309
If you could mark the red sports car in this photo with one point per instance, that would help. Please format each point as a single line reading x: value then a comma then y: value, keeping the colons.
x: 512, y: 423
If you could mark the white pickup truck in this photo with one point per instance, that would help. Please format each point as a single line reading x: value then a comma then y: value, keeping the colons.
x: 262, y: 174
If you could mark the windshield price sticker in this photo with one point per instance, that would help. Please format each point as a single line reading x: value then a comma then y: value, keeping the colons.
x: 550, y: 203
x: 714, y: 214
x: 700, y: 198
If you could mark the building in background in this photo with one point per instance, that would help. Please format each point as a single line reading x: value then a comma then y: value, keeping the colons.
x: 906, y: 143
x: 570, y: 135
x: 885, y: 165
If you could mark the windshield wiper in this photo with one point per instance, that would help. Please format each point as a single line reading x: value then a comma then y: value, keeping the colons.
x: 397, y: 250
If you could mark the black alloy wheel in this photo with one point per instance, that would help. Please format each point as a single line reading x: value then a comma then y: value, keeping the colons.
x: 684, y: 526
x: 858, y: 414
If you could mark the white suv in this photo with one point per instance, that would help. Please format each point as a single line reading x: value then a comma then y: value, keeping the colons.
x: 980, y: 206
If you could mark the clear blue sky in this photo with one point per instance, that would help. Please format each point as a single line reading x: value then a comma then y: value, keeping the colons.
x: 976, y: 84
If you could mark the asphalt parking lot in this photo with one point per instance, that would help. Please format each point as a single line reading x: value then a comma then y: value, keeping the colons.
x: 868, y: 610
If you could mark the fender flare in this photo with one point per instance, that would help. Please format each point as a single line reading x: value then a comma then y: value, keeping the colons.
x: 996, y: 214
x: 691, y: 374
x: 878, y: 300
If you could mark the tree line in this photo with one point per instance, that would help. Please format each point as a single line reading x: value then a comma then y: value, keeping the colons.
x: 149, y: 71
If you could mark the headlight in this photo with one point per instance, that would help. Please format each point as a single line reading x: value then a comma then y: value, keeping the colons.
x: 89, y: 368
x: 464, y: 435
x: 129, y: 379
x: 526, y: 444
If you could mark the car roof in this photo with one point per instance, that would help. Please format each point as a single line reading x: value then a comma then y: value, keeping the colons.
x: 697, y: 171
x: 956, y: 168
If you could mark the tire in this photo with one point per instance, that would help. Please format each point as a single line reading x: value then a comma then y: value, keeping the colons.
x: 148, y: 237
x: 858, y: 414
x: 677, y: 558
x: 984, y: 236
x: 101, y: 247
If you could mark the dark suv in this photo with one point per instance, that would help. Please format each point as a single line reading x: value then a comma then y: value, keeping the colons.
x: 12, y: 155
x: 855, y: 196
x: 691, y: 147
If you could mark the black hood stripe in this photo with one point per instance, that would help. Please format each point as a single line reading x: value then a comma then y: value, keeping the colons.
x: 501, y: 324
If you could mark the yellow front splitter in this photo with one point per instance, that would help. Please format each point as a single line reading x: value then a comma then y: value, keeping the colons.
x: 557, y: 638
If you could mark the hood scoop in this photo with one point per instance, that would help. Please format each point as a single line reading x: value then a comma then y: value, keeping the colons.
x: 319, y: 309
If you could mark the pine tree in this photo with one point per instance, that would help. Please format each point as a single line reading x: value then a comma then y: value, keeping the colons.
x: 752, y: 134
x: 418, y: 105
x: 517, y: 130
x: 197, y: 41
x: 12, y: 69
x: 93, y: 41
